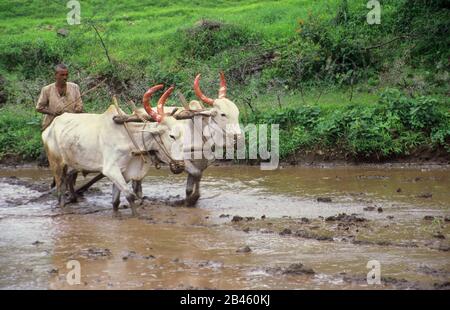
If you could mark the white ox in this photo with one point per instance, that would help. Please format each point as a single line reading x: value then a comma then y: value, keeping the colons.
x: 220, y: 125
x: 95, y: 143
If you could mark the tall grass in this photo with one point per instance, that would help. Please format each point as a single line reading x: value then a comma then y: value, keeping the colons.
x: 280, y: 57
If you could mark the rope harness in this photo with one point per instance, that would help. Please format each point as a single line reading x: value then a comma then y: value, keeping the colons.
x: 119, y: 111
x: 175, y: 166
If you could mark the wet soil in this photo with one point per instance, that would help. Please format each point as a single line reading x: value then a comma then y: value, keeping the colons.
x: 251, y: 229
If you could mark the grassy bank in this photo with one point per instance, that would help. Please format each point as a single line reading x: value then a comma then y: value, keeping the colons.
x: 392, y: 126
x: 334, y: 83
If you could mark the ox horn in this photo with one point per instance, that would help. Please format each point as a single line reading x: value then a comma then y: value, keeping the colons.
x: 162, y: 101
x: 199, y: 93
x: 223, y: 86
x: 146, y: 100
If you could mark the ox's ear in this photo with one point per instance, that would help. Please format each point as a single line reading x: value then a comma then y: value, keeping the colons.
x: 213, y: 112
x: 158, y: 130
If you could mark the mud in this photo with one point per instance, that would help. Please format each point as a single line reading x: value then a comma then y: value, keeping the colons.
x: 250, y: 230
x: 352, y: 229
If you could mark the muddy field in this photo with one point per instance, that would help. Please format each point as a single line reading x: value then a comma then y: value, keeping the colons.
x: 295, y: 228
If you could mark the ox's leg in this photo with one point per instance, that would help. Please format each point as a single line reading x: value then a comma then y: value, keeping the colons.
x: 61, y: 184
x: 137, y: 188
x: 57, y: 168
x: 115, y: 175
x: 71, y: 180
x: 193, y: 189
x: 195, y: 171
x: 189, y: 186
x: 116, y: 199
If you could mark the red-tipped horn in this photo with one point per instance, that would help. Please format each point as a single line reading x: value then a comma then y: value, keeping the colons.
x: 199, y: 93
x: 223, y: 86
x: 163, y: 100
x: 146, y: 100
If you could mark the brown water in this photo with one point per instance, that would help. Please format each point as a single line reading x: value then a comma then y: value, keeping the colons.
x: 170, y: 247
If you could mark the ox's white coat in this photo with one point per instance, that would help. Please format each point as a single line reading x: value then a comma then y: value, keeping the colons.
x: 94, y: 143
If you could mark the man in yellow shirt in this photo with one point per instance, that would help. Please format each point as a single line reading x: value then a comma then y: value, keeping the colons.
x: 59, y: 97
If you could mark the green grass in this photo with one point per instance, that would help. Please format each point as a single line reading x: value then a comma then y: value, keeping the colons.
x: 158, y: 42
x: 393, y: 126
x: 20, y: 133
x: 369, y: 128
x: 137, y: 30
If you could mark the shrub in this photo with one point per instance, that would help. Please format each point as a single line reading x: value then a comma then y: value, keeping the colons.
x: 19, y: 134
x: 208, y: 38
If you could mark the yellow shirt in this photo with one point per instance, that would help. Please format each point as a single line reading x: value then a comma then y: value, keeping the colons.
x: 53, y: 101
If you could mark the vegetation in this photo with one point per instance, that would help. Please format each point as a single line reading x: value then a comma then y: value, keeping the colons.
x: 395, y: 126
x: 334, y: 83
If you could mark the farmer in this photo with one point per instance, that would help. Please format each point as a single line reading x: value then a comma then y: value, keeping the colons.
x: 59, y: 97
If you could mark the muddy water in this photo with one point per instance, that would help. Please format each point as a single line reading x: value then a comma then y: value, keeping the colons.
x: 173, y: 247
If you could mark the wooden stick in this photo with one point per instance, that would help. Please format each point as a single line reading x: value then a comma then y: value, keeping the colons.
x: 86, y: 186
x: 83, y: 94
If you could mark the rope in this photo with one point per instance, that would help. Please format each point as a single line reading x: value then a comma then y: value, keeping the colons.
x: 157, y: 166
x: 127, y: 129
x: 83, y: 94
x: 161, y: 146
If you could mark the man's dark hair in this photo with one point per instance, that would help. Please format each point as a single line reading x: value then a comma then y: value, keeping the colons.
x: 60, y: 67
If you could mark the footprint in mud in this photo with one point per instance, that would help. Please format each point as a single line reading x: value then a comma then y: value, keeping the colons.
x: 133, y: 255
x: 296, y: 269
x: 95, y: 253
x: 245, y: 249
x: 438, y: 273
x: 342, y: 217
x: 324, y: 199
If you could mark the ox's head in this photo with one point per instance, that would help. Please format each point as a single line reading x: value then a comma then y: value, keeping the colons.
x: 224, y: 112
x: 166, y: 132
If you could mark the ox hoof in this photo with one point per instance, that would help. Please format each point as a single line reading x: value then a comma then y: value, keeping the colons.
x: 190, y: 204
x: 117, y: 214
x: 191, y: 201
x: 135, y: 214
x: 73, y: 200
x: 178, y: 203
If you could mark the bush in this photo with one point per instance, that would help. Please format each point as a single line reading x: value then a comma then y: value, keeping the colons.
x: 420, y: 114
x: 208, y: 38
x: 396, y: 126
x: 426, y: 22
x: 3, y: 91
x: 36, y: 57
x: 20, y: 134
